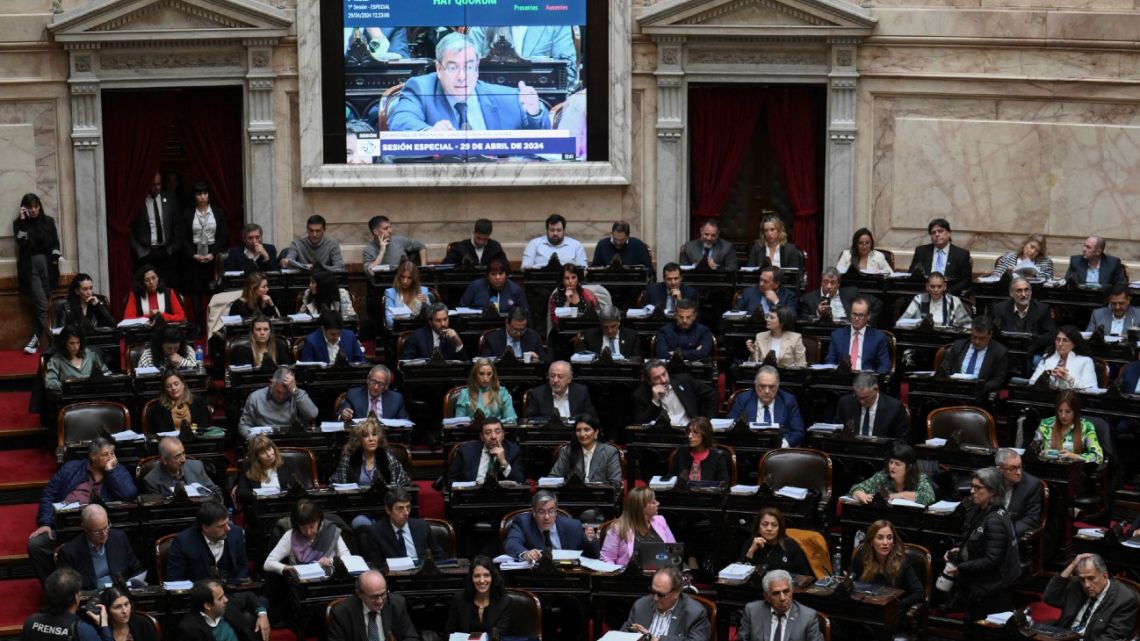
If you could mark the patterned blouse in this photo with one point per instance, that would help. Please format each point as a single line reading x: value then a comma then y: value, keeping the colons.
x: 923, y: 494
x: 1091, y: 450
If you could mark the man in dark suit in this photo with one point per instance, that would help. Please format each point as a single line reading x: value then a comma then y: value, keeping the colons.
x: 693, y: 339
x: 1021, y: 314
x: 679, y: 395
x: 561, y: 392
x: 833, y: 301
x: 623, y: 343
x: 515, y: 336
x: 666, y: 294
x: 1092, y: 604
x: 373, y: 608
x: 1095, y: 267
x: 873, y: 414
x: 100, y: 553
x: 373, y: 397
x: 155, y: 238
x: 481, y: 249
x: 767, y: 403
x: 687, y: 619
x: 1118, y: 314
x: 215, y: 615
x: 252, y: 255
x: 436, y: 334
x: 778, y: 614
x: 397, y: 535
x: 332, y: 342
x: 543, y: 527
x: 1022, y: 489
x: 492, y: 453
x: 769, y: 293
x: 211, y: 542
x: 870, y: 345
x: 979, y: 356
x: 720, y: 254
x: 941, y: 256
x: 632, y: 251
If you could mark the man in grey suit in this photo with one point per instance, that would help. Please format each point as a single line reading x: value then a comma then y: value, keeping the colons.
x: 719, y: 253
x: 1092, y: 604
x: 172, y: 467
x: 666, y: 614
x: 1117, y: 315
x: 792, y: 621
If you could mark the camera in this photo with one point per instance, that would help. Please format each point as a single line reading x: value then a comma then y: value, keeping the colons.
x: 91, y: 605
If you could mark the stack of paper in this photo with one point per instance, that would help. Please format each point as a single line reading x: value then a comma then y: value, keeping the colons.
x: 266, y: 491
x: 177, y: 586
x: 898, y: 275
x: 999, y: 618
x: 301, y: 317
x: 468, y: 311
x: 514, y: 565
x: 197, y: 489
x: 233, y: 273
x: 401, y: 312
x: 232, y: 320
x: 822, y: 366
x: 127, y: 435
x: 959, y: 376
x: 721, y: 424
x: 848, y: 499
x: 566, y: 312
x: 595, y: 565
x: 825, y: 427
x: 793, y: 492
x: 736, y: 572
x: 744, y: 490
x: 381, y: 267
x: 1133, y: 542
x: 310, y: 364
x: 413, y: 361
x: 566, y: 555
x: 345, y: 487
x: 936, y: 442
x: 943, y: 507
x: 734, y: 313
x: 396, y: 422
x: 171, y: 433
x: 616, y: 635
x: 658, y: 483
x: 583, y: 357
x: 241, y: 368
x: 457, y: 421
x: 400, y: 564
x: 1091, y: 532
x: 146, y: 371
x: 907, y: 323
x: 309, y: 571
x: 763, y: 426
x: 551, y: 481
x: 642, y: 312
x: 260, y: 429
x: 906, y: 503
x: 64, y: 506
x: 464, y: 485
x: 331, y: 427
x: 133, y: 322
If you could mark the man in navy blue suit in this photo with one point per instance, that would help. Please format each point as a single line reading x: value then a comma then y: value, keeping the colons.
x: 686, y: 334
x: 100, y: 552
x: 373, y: 397
x: 664, y: 295
x: 1095, y: 267
x: 769, y: 293
x: 454, y: 99
x: 515, y: 336
x: 436, y: 334
x: 211, y: 542
x: 491, y: 454
x: 872, y: 413
x: 871, y: 351
x: 543, y: 527
x: 331, y: 341
x: 633, y: 251
x: 767, y: 403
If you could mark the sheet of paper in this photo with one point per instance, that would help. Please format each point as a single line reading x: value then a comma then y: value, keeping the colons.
x: 464, y: 485
x: 232, y: 320
x: 943, y: 507
x: 793, y: 492
x: 906, y: 503
x: 146, y: 371
x: 583, y: 357
x: 309, y: 571
x: 551, y: 481
x: 468, y: 311
x: 456, y: 421
x: 266, y: 491
x: 659, y: 483
x: 936, y: 442
x: 744, y: 490
x: 566, y: 312
x: 999, y: 618
x: 396, y: 422
x: 177, y: 586
x: 345, y: 487
x: 133, y: 322
x: 825, y: 427
x: 127, y: 435
x: 354, y: 564
x: 736, y: 571
x: 596, y: 565
x: 260, y: 429
x: 763, y: 427
x: 63, y: 507
x: 301, y: 317
x: 514, y: 565
x: 566, y: 555
x: 400, y: 563
x: 331, y: 427
x: 1091, y: 532
x: 617, y: 635
x: 721, y: 424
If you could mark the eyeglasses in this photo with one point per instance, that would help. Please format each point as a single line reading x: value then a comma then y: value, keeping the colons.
x: 1012, y: 468
x: 660, y: 595
x: 548, y: 512
x: 379, y: 596
x: 977, y: 487
x: 102, y: 530
x: 378, y: 383
x: 858, y: 315
x: 452, y: 68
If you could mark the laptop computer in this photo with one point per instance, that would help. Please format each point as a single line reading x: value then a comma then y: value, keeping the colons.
x: 651, y: 556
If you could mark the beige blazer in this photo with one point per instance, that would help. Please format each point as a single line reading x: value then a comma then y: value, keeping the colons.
x: 792, y: 352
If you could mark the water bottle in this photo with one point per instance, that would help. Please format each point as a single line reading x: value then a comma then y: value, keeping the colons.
x: 836, y: 563
x: 200, y: 356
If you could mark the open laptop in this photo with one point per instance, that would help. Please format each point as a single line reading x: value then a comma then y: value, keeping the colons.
x: 651, y: 556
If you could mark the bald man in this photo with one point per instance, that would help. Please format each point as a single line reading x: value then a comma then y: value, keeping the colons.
x: 100, y: 552
x: 371, y: 613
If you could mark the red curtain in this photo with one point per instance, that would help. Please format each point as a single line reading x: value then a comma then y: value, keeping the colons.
x: 723, y: 120
x: 792, y: 128
x: 213, y: 140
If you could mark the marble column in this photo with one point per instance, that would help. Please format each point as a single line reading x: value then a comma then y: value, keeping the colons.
x: 86, y: 136
x: 839, y: 181
x: 261, y: 129
x: 672, y: 187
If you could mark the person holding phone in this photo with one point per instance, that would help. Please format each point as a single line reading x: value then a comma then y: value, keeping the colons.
x: 37, y: 262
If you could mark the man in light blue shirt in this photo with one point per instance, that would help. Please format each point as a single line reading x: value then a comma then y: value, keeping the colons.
x: 539, y: 250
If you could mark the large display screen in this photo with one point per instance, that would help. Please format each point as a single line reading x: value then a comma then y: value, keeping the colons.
x: 444, y: 81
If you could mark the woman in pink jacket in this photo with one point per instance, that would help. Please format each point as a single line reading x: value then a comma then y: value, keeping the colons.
x: 638, y: 522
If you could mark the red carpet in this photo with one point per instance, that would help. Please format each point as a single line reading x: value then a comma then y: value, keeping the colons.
x: 19, y: 522
x: 431, y: 501
x: 15, y: 363
x: 20, y: 597
x: 14, y: 412
x: 21, y: 466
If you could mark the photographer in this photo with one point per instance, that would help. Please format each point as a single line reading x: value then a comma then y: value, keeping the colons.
x: 59, y: 617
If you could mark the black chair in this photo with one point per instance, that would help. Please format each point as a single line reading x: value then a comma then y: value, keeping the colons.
x: 976, y: 424
x: 443, y: 533
x: 526, y: 614
x: 81, y: 422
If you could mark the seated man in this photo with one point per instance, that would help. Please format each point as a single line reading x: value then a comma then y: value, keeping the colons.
x: 631, y: 251
x: 173, y: 467
x: 767, y: 403
x: 211, y: 543
x: 100, y: 553
x: 437, y: 334
x: 778, y: 614
x: 873, y: 414
x: 280, y: 405
x: 866, y: 346
x: 543, y: 527
x: 397, y: 534
x: 252, y: 255
x: 373, y: 398
x: 491, y: 454
x: 979, y: 356
x: 516, y: 337
x: 681, y: 396
x: 538, y: 251
x: 1118, y: 315
x: 561, y: 393
x: 496, y: 289
x: 941, y: 256
x: 387, y: 248
x: 239, y: 616
x: 693, y: 339
x: 314, y: 249
x: 833, y: 301
x: 720, y: 254
x: 1092, y: 604
x: 768, y: 294
x: 1023, y: 491
x: 372, y: 613
x: 667, y: 614
x: 946, y: 310
x: 77, y: 481
x: 1021, y: 314
x: 622, y: 342
x: 331, y: 342
x: 480, y: 248
x: 1094, y: 267
x: 666, y: 294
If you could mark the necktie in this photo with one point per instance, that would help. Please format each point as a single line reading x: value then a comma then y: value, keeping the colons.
x: 1080, y: 626
x: 158, y: 222
x: 866, y: 429
x: 614, y: 350
x: 373, y: 627
x: 854, y: 349
x: 779, y: 627
x: 708, y: 251
x: 546, y: 542
x: 767, y: 414
x: 939, y: 261
x: 401, y: 544
x: 461, y: 109
x: 376, y: 407
x: 973, y: 362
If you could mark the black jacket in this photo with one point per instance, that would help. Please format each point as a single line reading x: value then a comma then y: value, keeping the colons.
x: 907, y: 581
x: 541, y: 402
x: 121, y: 559
x: 236, y: 260
x: 890, y: 416
x: 466, y: 249
x: 990, y: 561
x: 1038, y: 321
x: 628, y: 340
x: 713, y: 468
x: 346, y: 621
x: 244, y: 488
x: 1025, y: 504
x: 378, y: 541
x: 992, y: 372
x: 958, y: 271
x: 698, y: 398
x: 463, y: 616
x: 809, y: 303
x: 36, y: 236
x: 495, y: 344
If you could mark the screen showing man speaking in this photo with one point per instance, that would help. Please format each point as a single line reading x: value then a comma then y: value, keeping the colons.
x: 484, y: 81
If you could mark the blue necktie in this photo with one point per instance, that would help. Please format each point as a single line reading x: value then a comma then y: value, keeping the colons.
x: 866, y: 431
x: 767, y: 415
x: 973, y: 362
x: 939, y: 261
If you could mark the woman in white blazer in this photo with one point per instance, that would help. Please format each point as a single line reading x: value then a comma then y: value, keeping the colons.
x: 1068, y: 365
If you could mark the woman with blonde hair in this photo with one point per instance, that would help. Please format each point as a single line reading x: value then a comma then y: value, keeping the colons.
x: 405, y: 291
x: 262, y: 351
x: 255, y: 299
x: 773, y: 248
x: 484, y: 393
x: 638, y: 522
x: 1032, y: 255
x: 366, y: 459
x: 176, y: 405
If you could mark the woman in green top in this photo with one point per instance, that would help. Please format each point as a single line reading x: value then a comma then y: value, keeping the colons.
x: 72, y: 360
x: 1056, y: 432
x: 900, y: 478
x: 483, y: 392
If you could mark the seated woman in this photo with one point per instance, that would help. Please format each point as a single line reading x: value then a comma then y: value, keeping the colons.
x: 900, y: 478
x: 125, y: 623
x: 868, y: 259
x: 325, y: 294
x: 482, y: 606
x: 366, y: 459
x: 264, y: 352
x: 882, y: 561
x: 177, y: 405
x: 946, y: 310
x: 263, y: 467
x: 779, y: 338
x: 1032, y: 256
x: 1058, y: 433
x: 591, y: 461
x: 152, y: 299
x: 405, y: 291
x: 484, y: 393
x: 774, y: 549
x: 171, y: 349
x: 700, y: 461
x: 773, y: 248
x: 1068, y: 364
x: 312, y: 539
x: 571, y: 294
x: 638, y: 522
x: 72, y: 360
x: 82, y: 308
x: 255, y: 299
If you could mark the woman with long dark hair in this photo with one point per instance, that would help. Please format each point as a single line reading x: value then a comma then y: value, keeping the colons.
x: 176, y: 405
x: 1067, y: 433
x: 326, y: 294
x: 482, y: 606
x: 37, y: 262
x: 585, y: 456
x: 125, y: 622
x: 152, y: 299
x: 863, y: 255
x: 882, y: 561
x: 772, y: 548
x: 168, y: 348
x: 82, y: 308
x: 900, y: 478
x: 1069, y: 364
x: 72, y: 360
x: 571, y: 293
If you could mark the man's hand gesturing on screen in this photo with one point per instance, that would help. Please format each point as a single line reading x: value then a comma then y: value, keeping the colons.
x: 528, y: 98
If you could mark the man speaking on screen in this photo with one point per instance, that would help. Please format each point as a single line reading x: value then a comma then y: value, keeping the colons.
x: 453, y: 98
